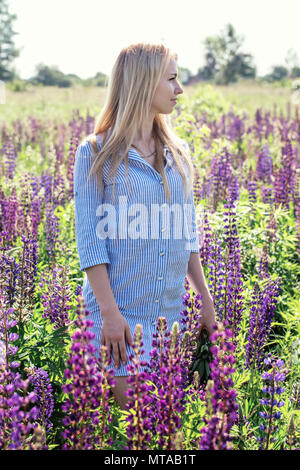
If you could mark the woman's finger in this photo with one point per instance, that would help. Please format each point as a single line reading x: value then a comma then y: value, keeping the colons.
x: 108, y: 344
x: 116, y: 355
x: 128, y: 335
x: 122, y: 349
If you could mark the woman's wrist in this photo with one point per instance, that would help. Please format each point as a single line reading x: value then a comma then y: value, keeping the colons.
x: 206, y: 295
x: 111, y: 311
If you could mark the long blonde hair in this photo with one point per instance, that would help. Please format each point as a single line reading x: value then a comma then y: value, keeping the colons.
x: 131, y: 88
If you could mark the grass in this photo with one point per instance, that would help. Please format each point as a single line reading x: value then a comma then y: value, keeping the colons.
x: 57, y: 104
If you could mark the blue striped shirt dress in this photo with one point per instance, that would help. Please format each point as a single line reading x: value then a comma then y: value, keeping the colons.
x: 146, y: 256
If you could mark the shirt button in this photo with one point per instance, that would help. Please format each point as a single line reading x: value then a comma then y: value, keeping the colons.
x: 161, y: 253
x: 153, y: 323
x: 163, y: 230
x: 161, y: 182
x: 160, y: 278
x: 156, y: 300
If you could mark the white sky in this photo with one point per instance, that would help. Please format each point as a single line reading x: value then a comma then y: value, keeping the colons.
x: 85, y: 36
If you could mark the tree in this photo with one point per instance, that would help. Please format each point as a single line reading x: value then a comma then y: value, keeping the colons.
x: 224, y: 60
x: 278, y: 72
x: 209, y: 70
x: 295, y: 72
x: 50, y: 76
x: 8, y: 52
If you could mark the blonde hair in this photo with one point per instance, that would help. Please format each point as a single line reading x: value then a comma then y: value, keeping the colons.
x: 131, y: 88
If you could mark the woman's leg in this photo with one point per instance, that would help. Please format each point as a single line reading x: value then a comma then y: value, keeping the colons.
x: 119, y: 390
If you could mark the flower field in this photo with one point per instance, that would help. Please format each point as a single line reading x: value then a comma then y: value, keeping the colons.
x: 240, y: 389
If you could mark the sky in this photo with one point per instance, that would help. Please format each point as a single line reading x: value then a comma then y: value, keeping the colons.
x: 85, y: 37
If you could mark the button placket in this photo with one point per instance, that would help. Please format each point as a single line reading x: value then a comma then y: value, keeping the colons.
x: 161, y: 265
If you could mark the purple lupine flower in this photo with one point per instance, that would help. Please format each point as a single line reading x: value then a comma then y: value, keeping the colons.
x: 86, y: 390
x: 263, y: 269
x: 139, y: 417
x: 52, y: 231
x: 7, y: 337
x: 289, y: 168
x: 36, y: 215
x: 9, y: 209
x: 252, y: 191
x: 35, y: 126
x: 221, y: 174
x: 10, y: 273
x: 264, y: 166
x: 70, y: 165
x: 59, y: 191
x: 46, y: 184
x: 166, y: 371
x: 297, y: 216
x: 216, y: 277
x: 206, y: 242
x: 17, y: 411
x: 189, y: 332
x: 56, y: 296
x: 221, y: 413
x: 284, y: 177
x: 292, y: 436
x: 17, y: 416
x: 273, y: 380
x: 267, y: 195
x: 271, y: 229
x: 29, y: 269
x: 197, y: 187
x: 196, y: 389
x: 236, y: 129
x: 233, y: 278
x: 262, y: 311
x: 233, y: 189
x: 106, y: 386
x: 34, y: 185
x: 44, y: 393
x: 78, y: 290
x: 258, y: 126
x: 10, y: 161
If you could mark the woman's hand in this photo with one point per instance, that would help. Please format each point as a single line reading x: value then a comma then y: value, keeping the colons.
x: 115, y: 331
x: 208, y: 314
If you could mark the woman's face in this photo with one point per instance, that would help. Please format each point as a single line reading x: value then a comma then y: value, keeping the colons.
x: 167, y: 90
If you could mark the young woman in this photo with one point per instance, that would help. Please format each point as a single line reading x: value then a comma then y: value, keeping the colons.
x: 134, y: 209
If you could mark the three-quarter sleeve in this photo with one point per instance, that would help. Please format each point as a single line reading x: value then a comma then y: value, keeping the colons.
x: 194, y: 239
x: 91, y: 248
x: 191, y: 213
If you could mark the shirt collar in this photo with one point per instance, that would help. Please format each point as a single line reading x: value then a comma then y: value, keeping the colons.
x: 134, y: 155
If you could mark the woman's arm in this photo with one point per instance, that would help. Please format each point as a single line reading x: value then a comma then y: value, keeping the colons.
x: 115, y: 330
x: 196, y: 275
x: 90, y: 246
x: 93, y: 255
x: 197, y: 280
x: 99, y: 281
